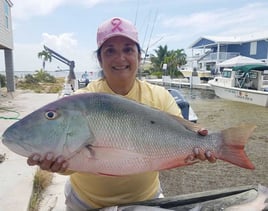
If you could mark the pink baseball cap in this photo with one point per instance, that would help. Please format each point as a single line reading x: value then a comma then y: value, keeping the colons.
x: 116, y: 27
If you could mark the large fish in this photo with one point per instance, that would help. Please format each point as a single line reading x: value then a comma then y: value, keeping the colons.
x: 111, y: 135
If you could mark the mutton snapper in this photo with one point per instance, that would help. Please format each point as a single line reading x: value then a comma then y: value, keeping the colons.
x: 111, y: 135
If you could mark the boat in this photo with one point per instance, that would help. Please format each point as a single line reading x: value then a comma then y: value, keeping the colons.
x: 208, y: 200
x: 246, y: 83
x: 188, y: 72
x: 186, y: 109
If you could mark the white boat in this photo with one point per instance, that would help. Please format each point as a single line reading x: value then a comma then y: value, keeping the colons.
x: 188, y: 72
x: 247, y: 84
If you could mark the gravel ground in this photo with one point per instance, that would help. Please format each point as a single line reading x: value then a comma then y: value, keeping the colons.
x: 215, y: 115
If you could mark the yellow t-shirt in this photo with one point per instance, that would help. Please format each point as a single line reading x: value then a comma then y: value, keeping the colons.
x: 103, y: 191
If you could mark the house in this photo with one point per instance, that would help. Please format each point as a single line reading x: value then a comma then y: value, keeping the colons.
x: 209, y: 51
x: 6, y: 42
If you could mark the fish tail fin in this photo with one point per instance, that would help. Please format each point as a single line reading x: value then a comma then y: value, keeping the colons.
x: 233, y: 144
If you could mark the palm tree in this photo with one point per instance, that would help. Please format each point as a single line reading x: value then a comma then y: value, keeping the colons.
x: 181, y: 57
x: 158, y: 60
x: 45, y: 56
x: 173, y: 59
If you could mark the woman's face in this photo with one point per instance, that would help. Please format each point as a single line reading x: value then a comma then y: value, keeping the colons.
x: 119, y: 59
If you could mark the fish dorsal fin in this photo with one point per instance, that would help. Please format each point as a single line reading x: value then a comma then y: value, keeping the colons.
x: 195, y: 127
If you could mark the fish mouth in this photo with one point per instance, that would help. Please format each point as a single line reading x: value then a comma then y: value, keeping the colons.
x: 19, y: 149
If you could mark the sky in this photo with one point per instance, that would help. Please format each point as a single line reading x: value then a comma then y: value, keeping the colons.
x: 69, y: 26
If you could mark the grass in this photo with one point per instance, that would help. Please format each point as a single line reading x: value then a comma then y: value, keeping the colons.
x: 42, y: 179
x: 2, y: 157
x: 42, y: 87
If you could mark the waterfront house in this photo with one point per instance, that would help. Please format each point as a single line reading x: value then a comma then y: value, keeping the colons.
x: 209, y: 51
x: 6, y: 42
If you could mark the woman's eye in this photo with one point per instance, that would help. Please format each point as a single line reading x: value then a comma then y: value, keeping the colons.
x: 128, y: 50
x: 109, y: 51
x: 50, y: 115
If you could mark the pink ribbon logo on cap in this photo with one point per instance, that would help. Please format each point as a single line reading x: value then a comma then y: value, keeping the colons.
x: 116, y: 23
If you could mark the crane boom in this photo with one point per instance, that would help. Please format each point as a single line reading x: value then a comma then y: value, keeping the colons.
x: 62, y: 59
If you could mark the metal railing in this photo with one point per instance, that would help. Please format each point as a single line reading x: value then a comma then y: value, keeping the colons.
x: 222, y: 56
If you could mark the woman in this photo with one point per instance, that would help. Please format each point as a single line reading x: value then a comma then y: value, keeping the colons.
x: 119, y: 56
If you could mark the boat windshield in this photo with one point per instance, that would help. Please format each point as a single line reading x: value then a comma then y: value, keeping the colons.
x: 227, y: 73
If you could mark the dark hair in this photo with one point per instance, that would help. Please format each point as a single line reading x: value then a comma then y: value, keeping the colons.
x: 99, y: 51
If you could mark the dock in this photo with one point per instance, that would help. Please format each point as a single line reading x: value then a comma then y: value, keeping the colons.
x: 180, y: 83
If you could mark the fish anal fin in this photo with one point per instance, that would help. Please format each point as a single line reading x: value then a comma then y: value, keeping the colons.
x: 174, y: 163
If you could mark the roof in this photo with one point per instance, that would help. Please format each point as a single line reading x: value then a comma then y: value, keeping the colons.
x: 248, y: 68
x: 239, y: 61
x: 212, y: 40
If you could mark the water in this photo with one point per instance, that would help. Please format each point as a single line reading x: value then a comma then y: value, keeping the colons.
x: 197, y: 94
x: 58, y: 74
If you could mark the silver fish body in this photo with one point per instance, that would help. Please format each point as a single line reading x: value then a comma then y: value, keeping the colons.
x: 109, y: 134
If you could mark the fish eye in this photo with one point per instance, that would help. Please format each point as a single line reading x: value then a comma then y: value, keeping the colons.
x: 50, y: 115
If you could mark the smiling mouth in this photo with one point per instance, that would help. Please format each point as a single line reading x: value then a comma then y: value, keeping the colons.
x: 118, y: 68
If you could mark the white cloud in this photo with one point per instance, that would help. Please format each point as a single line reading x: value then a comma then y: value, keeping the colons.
x: 25, y: 55
x: 63, y: 42
x: 182, y: 30
x: 25, y: 9
x: 28, y: 8
x: 220, y: 20
x: 67, y: 46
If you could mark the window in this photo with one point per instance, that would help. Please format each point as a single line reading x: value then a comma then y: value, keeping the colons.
x: 6, y: 10
x: 226, y: 74
x: 253, y: 48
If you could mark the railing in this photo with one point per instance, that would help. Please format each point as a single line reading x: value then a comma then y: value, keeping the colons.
x: 222, y: 56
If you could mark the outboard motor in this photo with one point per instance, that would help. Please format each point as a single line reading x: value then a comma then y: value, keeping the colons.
x: 181, y: 102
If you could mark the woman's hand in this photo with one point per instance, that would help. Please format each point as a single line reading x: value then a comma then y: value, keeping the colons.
x: 49, y: 163
x: 207, y: 155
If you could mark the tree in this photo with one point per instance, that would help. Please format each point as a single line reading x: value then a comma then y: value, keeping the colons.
x: 43, y: 76
x: 45, y: 56
x: 173, y: 59
x: 158, y: 60
x: 180, y: 57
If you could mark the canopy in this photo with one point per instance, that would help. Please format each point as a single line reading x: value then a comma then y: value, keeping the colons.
x: 247, y: 68
x: 239, y: 60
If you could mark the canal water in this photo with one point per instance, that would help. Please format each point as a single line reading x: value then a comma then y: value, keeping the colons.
x: 196, y: 94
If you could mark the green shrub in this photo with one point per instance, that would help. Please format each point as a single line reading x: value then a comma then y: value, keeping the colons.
x: 158, y: 74
x: 2, y: 80
x: 30, y: 79
x: 43, y: 76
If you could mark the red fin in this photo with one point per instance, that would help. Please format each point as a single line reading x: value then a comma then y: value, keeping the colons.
x: 234, y: 140
x: 177, y: 162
